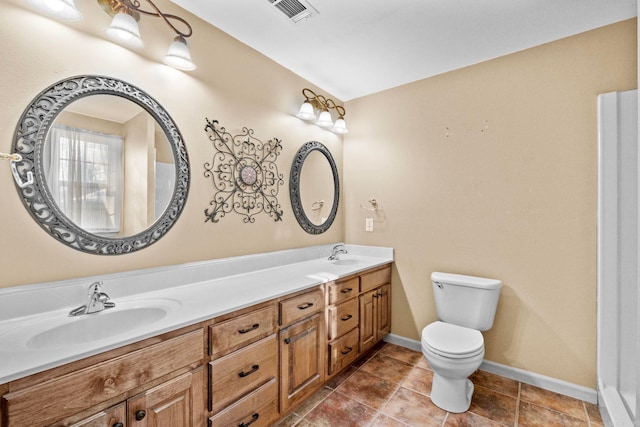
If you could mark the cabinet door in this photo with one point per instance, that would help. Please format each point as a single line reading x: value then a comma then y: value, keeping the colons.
x: 301, y: 360
x: 367, y: 320
x: 171, y: 404
x: 116, y: 416
x: 383, y: 311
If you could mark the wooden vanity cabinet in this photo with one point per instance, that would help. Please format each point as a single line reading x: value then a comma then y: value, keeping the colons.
x: 115, y: 416
x: 302, y: 347
x: 164, y: 374
x: 171, y: 403
x: 243, y: 368
x: 248, y: 367
x: 343, y: 320
x: 375, y: 312
x: 358, y: 316
x: 375, y: 306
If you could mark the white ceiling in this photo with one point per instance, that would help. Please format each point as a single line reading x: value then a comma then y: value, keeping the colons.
x: 353, y: 48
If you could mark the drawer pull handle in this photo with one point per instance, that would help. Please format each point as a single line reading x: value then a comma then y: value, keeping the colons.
x: 140, y: 415
x: 118, y: 424
x: 346, y: 290
x: 250, y: 328
x: 254, y: 417
x: 347, y: 351
x: 247, y: 373
x: 305, y: 306
x: 345, y: 318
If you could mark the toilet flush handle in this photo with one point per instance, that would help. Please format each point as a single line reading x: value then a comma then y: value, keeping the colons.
x: 440, y: 285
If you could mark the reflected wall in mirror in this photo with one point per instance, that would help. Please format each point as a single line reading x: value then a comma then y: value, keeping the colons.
x: 314, y: 188
x: 111, y: 169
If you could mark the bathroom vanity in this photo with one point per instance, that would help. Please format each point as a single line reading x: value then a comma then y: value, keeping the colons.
x: 271, y: 338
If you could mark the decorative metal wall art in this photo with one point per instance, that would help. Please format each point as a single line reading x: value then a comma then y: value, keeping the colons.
x: 244, y: 174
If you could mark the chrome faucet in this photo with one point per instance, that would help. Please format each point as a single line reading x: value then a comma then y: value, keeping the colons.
x: 337, y: 250
x: 98, y: 301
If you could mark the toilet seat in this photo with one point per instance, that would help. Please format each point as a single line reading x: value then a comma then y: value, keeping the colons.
x: 452, y: 341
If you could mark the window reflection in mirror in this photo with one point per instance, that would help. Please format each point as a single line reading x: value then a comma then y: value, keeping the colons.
x: 109, y: 166
x: 316, y: 194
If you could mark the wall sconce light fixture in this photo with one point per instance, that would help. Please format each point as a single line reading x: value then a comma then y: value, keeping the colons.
x: 317, y: 103
x: 124, y: 26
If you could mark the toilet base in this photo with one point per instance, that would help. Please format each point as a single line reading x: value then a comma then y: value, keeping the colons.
x: 451, y: 394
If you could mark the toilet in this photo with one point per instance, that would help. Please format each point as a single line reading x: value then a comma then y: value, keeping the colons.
x: 453, y: 345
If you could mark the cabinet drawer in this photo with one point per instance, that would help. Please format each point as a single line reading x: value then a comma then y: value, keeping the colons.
x: 342, y: 318
x: 374, y: 279
x: 302, y: 306
x: 241, y: 372
x: 340, y: 291
x: 235, y: 333
x: 343, y: 351
x: 70, y: 394
x: 258, y: 409
x: 108, y: 417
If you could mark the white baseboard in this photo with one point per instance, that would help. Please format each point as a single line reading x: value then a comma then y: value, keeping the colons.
x: 548, y: 383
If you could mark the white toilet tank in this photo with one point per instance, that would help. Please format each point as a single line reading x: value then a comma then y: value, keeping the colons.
x: 467, y: 301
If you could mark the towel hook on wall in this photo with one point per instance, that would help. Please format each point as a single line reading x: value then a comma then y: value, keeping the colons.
x: 15, y: 158
x: 373, y: 203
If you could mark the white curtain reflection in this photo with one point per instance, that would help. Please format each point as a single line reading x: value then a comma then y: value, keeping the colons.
x: 84, y: 174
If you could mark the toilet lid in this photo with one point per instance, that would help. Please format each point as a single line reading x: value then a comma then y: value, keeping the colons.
x: 452, y: 340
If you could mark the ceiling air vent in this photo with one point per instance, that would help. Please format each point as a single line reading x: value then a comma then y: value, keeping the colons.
x: 295, y: 10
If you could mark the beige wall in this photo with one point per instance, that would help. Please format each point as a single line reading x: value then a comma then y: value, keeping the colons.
x: 491, y: 171
x: 233, y: 84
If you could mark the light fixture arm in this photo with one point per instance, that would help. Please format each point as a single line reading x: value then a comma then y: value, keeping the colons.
x: 322, y: 103
x: 131, y: 6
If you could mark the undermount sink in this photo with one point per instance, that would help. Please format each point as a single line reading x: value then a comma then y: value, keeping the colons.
x: 104, y: 324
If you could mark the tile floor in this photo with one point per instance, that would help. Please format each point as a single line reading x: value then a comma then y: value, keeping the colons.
x: 391, y: 387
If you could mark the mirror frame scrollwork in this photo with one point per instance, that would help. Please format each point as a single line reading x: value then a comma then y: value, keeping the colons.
x: 294, y: 188
x: 30, y: 136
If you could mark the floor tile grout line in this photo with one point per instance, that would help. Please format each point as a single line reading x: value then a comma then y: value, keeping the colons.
x: 584, y: 406
x: 515, y: 423
x: 387, y: 402
x: 379, y: 412
x: 444, y: 420
x: 302, y: 417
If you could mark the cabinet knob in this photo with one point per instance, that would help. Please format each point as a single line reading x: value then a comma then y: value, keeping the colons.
x: 140, y: 414
x: 118, y: 424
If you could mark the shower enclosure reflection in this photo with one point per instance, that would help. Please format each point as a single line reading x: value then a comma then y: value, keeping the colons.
x: 618, y: 333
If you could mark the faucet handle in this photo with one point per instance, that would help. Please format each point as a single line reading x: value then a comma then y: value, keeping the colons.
x: 95, y: 288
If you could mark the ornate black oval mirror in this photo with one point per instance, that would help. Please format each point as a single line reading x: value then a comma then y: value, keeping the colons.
x: 110, y: 166
x: 314, y: 188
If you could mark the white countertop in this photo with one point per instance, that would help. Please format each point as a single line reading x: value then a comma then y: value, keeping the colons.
x: 191, y: 293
